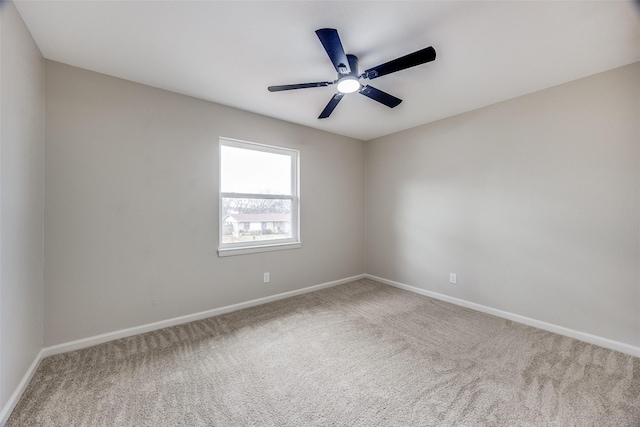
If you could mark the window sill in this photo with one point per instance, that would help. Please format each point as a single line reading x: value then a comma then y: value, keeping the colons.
x: 256, y: 249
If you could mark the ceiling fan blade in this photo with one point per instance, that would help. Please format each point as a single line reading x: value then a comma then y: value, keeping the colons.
x: 331, y: 105
x: 332, y: 44
x: 411, y: 60
x: 298, y: 86
x: 380, y: 96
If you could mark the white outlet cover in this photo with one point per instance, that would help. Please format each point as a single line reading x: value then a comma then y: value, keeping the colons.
x: 453, y: 278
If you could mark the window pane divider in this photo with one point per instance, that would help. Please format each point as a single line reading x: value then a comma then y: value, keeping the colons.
x: 256, y: 196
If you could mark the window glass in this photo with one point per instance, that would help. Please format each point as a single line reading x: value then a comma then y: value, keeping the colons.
x: 249, y: 171
x: 258, y: 198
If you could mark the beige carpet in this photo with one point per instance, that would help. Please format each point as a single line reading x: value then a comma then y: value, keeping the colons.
x: 360, y: 354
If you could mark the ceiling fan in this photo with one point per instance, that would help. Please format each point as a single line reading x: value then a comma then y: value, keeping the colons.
x: 348, y: 80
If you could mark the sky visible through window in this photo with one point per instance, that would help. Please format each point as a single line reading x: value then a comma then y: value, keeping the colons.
x: 258, y: 172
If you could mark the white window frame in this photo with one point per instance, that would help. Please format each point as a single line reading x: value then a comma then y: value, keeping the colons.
x: 240, y: 248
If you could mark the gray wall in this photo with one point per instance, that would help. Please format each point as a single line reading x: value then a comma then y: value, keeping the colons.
x: 21, y: 199
x: 131, y: 207
x: 533, y: 202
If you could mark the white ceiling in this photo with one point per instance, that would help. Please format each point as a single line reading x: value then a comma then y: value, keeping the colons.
x: 230, y: 51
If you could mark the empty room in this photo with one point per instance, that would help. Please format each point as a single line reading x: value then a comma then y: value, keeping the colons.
x: 319, y: 213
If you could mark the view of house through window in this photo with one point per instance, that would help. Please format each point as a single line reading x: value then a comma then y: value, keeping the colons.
x: 258, y: 195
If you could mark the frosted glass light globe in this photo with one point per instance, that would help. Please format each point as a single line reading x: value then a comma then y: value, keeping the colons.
x: 348, y: 84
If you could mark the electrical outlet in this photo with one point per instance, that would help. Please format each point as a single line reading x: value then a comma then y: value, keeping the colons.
x: 266, y: 278
x: 452, y: 278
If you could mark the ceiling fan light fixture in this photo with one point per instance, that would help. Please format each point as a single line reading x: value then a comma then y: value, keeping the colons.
x: 348, y: 77
x: 348, y: 84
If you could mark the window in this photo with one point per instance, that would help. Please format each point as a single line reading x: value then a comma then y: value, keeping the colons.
x: 258, y: 198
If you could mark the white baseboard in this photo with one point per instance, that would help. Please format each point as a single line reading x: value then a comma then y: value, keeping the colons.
x: 561, y: 330
x: 110, y: 336
x: 17, y: 394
